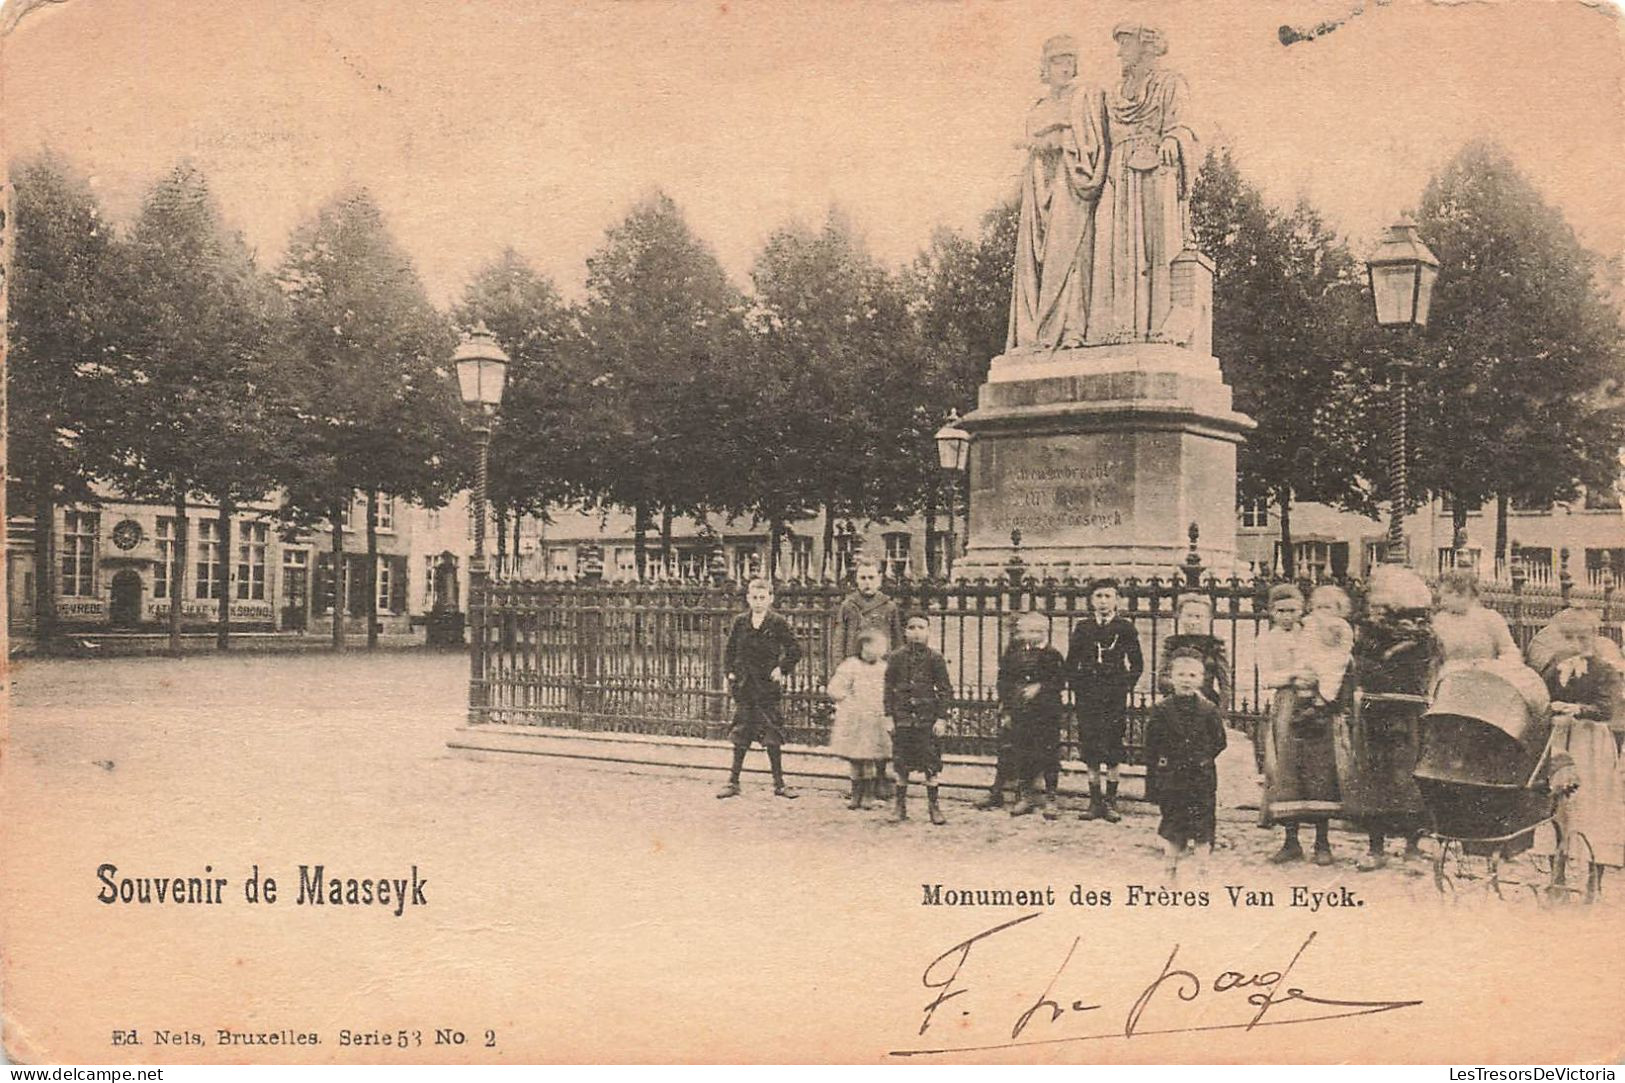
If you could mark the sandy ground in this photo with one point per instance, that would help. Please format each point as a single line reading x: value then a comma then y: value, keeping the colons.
x: 584, y: 911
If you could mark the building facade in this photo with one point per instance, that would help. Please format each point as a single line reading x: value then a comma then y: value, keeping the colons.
x: 113, y: 566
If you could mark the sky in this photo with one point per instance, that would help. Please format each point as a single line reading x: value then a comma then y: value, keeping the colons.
x: 480, y: 124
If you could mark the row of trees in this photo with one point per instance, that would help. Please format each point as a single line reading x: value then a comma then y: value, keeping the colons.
x: 165, y: 361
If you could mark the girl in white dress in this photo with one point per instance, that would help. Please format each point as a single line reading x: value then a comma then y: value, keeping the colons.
x: 859, y: 732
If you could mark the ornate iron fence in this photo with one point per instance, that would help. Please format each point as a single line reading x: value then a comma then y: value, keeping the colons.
x: 648, y: 657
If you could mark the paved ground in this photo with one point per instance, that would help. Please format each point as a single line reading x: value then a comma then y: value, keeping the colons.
x: 578, y: 910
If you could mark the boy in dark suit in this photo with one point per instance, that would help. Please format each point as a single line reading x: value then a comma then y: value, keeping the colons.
x: 1104, y: 663
x: 918, y: 694
x: 760, y: 654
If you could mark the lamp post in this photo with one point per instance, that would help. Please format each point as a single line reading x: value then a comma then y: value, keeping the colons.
x: 953, y: 454
x: 482, y: 371
x: 1402, y: 272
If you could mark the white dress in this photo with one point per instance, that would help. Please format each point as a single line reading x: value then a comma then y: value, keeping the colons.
x: 859, y: 691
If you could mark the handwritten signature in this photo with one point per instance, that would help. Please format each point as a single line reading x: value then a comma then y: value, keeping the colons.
x: 1261, y: 992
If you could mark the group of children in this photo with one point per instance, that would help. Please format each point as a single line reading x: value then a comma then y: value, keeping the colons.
x: 892, y: 705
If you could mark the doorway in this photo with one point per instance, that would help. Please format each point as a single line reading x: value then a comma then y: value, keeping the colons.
x: 126, y: 608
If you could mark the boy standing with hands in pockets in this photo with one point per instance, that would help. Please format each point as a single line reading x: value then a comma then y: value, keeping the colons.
x: 761, y: 652
x: 1104, y: 663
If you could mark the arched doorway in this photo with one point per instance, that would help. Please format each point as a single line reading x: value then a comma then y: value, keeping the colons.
x: 126, y: 608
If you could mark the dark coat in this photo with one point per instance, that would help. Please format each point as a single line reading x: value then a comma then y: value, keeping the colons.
x: 1104, y: 661
x: 859, y: 614
x: 1183, y: 737
x: 753, y: 653
x: 918, y: 691
x: 1023, y: 665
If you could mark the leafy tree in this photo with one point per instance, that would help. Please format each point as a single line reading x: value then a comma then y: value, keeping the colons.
x: 62, y: 323
x: 543, y: 448
x: 1514, y: 393
x: 1290, y: 326
x: 842, y: 383
x: 664, y: 332
x: 379, y: 411
x: 192, y: 371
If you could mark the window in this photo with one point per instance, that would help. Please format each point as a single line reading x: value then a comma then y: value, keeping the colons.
x: 895, y: 564
x: 1537, y: 563
x: 251, y: 539
x: 386, y: 512
x: 691, y: 563
x: 211, y: 560
x: 747, y: 563
x: 79, y: 553
x: 626, y: 562
x: 166, y: 556
x: 428, y: 582
x: 1376, y: 552
x: 344, y: 514
x: 939, y: 551
x: 385, y: 580
x: 800, y: 558
x: 1598, y: 559
x: 1256, y: 513
x: 561, y: 562
x: 846, y: 551
x: 1313, y: 559
x: 1462, y: 558
x: 434, y: 518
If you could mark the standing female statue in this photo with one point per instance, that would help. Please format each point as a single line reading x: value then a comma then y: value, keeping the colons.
x: 1144, y: 216
x: 1066, y: 166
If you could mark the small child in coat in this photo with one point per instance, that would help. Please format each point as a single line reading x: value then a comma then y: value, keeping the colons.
x: 859, y: 733
x: 1183, y: 738
x: 918, y: 695
x: 1032, y: 676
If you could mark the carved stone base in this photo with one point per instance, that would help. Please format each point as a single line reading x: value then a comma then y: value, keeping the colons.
x: 1102, y: 457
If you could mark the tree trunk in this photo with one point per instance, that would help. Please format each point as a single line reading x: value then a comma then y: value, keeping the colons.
x: 640, y: 538
x: 44, y: 564
x: 1500, y: 530
x: 177, y: 576
x: 1458, y: 525
x: 1283, y: 500
x: 518, y: 522
x: 829, y: 539
x: 502, y: 537
x: 372, y: 569
x: 340, y: 593
x: 222, y: 633
x: 665, y: 538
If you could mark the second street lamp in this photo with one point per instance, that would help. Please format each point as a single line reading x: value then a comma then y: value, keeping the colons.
x: 953, y: 455
x: 482, y: 372
x: 1402, y: 271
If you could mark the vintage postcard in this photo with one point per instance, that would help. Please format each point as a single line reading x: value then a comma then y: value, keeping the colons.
x: 1021, y: 532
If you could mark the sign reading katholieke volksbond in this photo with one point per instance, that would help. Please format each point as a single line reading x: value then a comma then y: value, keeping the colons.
x: 1106, y: 428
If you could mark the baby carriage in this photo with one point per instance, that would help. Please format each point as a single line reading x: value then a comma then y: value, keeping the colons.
x: 1482, y: 773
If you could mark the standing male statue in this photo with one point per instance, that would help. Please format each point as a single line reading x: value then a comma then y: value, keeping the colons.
x: 1065, y: 141
x: 1143, y: 220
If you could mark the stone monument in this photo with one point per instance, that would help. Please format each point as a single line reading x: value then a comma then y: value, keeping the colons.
x: 1106, y: 428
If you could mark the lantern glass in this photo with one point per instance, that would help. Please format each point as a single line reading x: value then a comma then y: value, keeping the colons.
x: 481, y: 380
x: 1403, y: 271
x: 953, y: 446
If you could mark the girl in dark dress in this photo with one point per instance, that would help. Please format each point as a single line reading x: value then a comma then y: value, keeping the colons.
x: 1184, y: 737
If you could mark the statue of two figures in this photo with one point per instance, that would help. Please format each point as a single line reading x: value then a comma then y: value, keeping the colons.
x: 1105, y: 201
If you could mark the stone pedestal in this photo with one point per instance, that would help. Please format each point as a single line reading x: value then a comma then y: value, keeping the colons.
x: 1102, y: 457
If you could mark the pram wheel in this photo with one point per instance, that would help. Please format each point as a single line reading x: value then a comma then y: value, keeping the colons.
x: 1567, y: 862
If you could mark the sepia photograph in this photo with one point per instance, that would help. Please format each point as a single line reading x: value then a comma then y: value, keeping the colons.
x: 961, y: 532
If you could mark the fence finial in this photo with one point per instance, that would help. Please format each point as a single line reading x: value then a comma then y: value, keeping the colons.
x: 1193, y: 559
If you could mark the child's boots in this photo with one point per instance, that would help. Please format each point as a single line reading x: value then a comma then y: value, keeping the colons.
x: 1097, y: 807
x: 860, y: 789
x: 934, y: 807
x: 1027, y: 802
x: 900, y: 808
x: 1109, y: 809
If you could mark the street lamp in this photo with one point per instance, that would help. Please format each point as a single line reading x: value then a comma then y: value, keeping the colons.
x: 482, y: 371
x: 953, y: 454
x: 1402, y: 271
